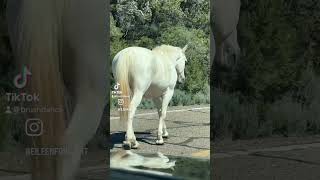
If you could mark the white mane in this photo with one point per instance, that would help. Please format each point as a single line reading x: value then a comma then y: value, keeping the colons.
x: 169, y: 51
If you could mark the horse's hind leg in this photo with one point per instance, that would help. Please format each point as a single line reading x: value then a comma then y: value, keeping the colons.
x: 165, y: 102
x: 158, y: 104
x: 131, y: 141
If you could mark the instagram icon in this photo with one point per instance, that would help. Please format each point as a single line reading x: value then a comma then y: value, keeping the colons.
x: 34, y: 127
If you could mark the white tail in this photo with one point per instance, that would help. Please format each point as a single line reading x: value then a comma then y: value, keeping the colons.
x: 36, y: 46
x: 122, y: 77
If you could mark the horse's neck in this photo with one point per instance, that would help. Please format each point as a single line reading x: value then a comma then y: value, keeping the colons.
x: 164, y: 64
x: 164, y: 73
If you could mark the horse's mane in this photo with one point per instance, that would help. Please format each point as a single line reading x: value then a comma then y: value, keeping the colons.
x: 166, y: 49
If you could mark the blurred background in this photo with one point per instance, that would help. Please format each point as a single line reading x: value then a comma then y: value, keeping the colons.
x: 266, y: 118
x: 274, y: 89
x: 9, y: 126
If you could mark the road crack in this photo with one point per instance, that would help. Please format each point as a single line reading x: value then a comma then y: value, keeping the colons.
x: 258, y: 154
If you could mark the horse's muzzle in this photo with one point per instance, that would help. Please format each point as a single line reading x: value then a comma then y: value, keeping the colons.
x: 181, y: 80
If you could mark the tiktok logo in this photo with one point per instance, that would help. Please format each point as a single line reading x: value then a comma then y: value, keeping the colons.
x: 116, y: 87
x: 20, y: 81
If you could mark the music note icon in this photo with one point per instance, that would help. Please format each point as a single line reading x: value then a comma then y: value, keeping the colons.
x: 116, y: 87
x: 21, y: 80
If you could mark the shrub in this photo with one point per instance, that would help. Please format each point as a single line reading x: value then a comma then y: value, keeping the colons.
x: 146, y: 104
x: 287, y: 117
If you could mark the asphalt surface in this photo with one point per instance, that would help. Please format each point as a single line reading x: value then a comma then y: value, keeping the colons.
x: 188, y: 127
x: 296, y: 161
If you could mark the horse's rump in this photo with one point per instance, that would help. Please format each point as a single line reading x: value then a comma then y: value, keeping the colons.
x: 125, y: 60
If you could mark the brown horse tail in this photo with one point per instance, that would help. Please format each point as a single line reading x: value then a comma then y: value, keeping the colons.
x: 36, y: 45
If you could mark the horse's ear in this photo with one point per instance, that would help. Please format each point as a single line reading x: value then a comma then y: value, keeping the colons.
x: 185, y: 48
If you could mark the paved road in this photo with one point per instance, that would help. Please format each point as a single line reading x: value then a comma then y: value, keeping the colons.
x: 188, y: 127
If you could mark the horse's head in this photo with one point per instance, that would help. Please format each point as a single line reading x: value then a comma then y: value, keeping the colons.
x: 180, y: 64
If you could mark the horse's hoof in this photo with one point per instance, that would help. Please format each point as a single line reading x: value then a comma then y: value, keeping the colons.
x: 159, y: 142
x: 166, y: 135
x: 135, y: 145
x: 126, y: 145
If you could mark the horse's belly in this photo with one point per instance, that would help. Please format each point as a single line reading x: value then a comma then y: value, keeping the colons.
x: 154, y: 91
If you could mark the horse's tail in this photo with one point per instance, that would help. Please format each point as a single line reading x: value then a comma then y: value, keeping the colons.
x: 36, y: 45
x: 122, y: 77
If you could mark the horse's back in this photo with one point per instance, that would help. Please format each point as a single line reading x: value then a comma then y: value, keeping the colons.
x: 139, y: 57
x: 134, y: 50
x: 137, y: 60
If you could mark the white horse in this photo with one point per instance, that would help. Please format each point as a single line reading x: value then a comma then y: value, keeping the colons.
x: 64, y: 44
x: 150, y: 74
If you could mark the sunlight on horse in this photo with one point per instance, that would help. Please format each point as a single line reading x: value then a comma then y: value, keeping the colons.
x: 151, y: 74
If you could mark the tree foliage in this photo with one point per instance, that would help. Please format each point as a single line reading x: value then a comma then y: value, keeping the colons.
x: 175, y: 22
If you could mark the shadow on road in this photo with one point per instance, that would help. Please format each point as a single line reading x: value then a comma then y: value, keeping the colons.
x: 119, y: 137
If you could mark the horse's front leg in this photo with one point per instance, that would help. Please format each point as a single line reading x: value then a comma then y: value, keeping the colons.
x: 162, y: 129
x: 158, y: 103
x: 165, y: 132
x: 131, y: 141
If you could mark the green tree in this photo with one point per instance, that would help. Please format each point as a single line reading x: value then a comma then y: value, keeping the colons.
x: 197, y: 54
